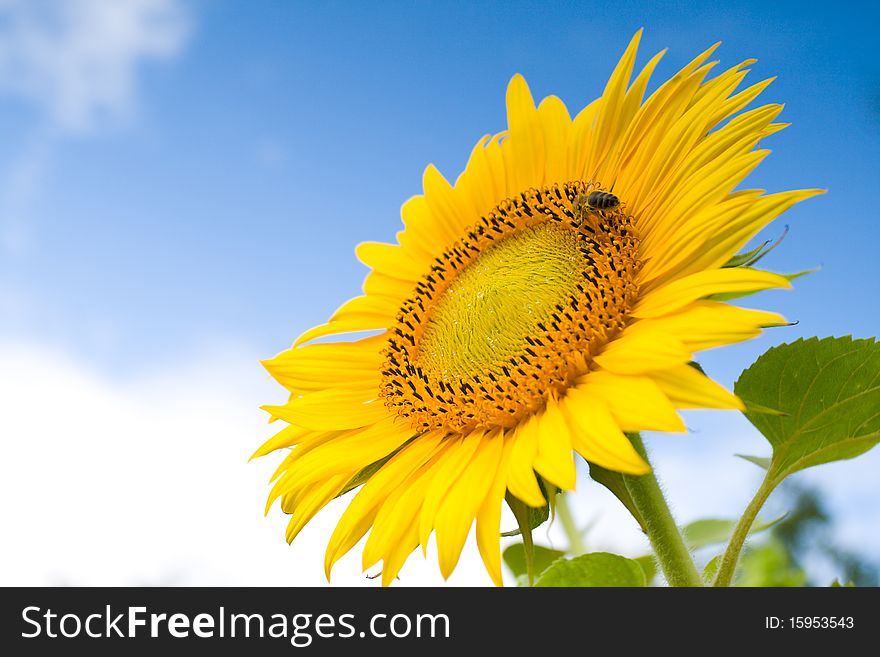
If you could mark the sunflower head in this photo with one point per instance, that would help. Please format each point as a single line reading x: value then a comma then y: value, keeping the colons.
x: 512, y: 313
x: 549, y: 301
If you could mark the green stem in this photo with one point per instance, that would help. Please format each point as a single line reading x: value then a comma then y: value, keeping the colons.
x: 521, y: 513
x: 727, y: 567
x: 575, y: 542
x: 669, y: 547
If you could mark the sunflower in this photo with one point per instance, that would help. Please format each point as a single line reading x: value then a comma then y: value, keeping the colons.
x: 545, y: 304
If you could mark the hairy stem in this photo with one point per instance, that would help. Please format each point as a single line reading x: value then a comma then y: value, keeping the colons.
x: 672, y: 554
x: 727, y: 567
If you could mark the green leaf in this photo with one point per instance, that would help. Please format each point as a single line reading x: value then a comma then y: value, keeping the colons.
x: 361, y: 477
x: 594, y: 569
x: 743, y: 259
x: 836, y: 584
x: 751, y: 257
x: 515, y: 558
x: 697, y: 366
x: 769, y: 564
x: 649, y: 564
x: 803, y: 272
x: 711, y: 569
x: 537, y: 516
x: 711, y: 531
x: 830, y: 392
x: 762, y: 462
x: 752, y: 407
x: 613, y: 481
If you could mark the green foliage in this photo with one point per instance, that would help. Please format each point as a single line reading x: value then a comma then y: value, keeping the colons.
x: 751, y: 257
x: 537, y: 516
x: 594, y: 569
x: 711, y: 569
x: 649, y: 565
x: 762, y: 462
x: 770, y: 564
x: 361, y: 477
x: 711, y: 531
x: 807, y: 533
x: 815, y: 401
x: 830, y: 392
x: 515, y: 558
x: 613, y: 481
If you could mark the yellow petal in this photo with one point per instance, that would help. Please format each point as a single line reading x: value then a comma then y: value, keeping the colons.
x: 634, y: 353
x: 555, y: 123
x: 649, y: 125
x: 377, y: 283
x: 397, y: 516
x: 687, y: 388
x: 459, y: 508
x: 679, y: 293
x: 718, y: 233
x: 367, y: 305
x: 348, y: 453
x: 287, y: 437
x: 396, y: 557
x: 706, y: 324
x: 328, y: 365
x: 329, y: 410
x: 359, y: 515
x: 524, y: 148
x: 478, y: 182
x: 315, y: 500
x: 458, y: 453
x: 736, y: 137
x: 390, y: 259
x: 355, y: 325
x: 677, y: 211
x: 679, y: 139
x: 312, y: 440
x: 636, y: 402
x: 489, y: 518
x: 554, y: 459
x: 521, y: 470
x: 608, y: 121
x: 449, y: 214
x: 597, y: 437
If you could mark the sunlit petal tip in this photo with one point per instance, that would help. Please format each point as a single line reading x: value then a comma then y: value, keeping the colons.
x: 637, y: 468
x: 268, y: 408
x: 634, y: 40
x: 517, y: 84
x: 330, y: 560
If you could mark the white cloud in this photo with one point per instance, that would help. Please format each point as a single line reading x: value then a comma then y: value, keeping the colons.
x: 108, y: 481
x: 146, y: 481
x: 78, y: 59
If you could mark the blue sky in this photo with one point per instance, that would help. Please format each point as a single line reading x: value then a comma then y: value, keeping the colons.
x: 197, y: 182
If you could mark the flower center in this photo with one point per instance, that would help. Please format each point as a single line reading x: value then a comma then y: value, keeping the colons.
x: 513, y: 312
x: 482, y: 317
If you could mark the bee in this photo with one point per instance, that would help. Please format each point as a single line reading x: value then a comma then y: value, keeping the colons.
x: 598, y: 201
